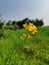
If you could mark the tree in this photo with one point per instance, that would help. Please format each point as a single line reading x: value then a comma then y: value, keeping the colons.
x: 39, y: 22
x: 20, y: 24
x: 26, y: 20
x: 13, y: 22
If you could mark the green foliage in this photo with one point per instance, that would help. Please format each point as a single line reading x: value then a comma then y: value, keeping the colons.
x: 14, y: 51
x: 11, y: 27
x: 36, y: 22
x: 39, y: 22
x: 1, y: 33
x: 1, y: 25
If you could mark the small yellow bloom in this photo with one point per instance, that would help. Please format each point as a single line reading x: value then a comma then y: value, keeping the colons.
x: 30, y: 24
x: 33, y: 32
x: 34, y: 27
x: 29, y: 36
x: 30, y: 28
x: 23, y: 36
x: 24, y: 25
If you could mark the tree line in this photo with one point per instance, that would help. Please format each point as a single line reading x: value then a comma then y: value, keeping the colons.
x: 19, y: 24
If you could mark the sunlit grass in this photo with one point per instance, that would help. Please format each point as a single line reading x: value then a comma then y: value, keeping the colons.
x: 34, y: 51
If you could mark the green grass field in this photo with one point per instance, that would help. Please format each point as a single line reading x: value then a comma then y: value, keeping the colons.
x: 35, y: 51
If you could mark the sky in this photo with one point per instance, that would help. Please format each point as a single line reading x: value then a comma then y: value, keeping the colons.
x: 20, y: 9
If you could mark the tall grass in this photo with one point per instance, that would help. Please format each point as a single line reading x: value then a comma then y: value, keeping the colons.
x: 14, y: 51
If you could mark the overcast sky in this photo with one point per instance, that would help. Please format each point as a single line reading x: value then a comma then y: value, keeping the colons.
x: 20, y: 9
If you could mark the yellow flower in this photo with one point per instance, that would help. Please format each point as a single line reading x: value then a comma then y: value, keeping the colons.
x: 24, y: 25
x: 29, y: 36
x: 34, y: 27
x: 33, y: 32
x: 23, y: 36
x: 30, y: 28
x: 30, y: 24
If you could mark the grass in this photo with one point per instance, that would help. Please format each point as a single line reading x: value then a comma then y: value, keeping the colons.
x: 35, y: 51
